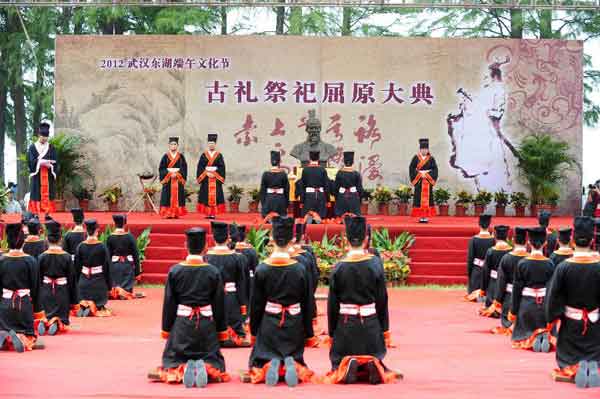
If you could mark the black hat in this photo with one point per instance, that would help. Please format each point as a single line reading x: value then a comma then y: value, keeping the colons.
x: 77, y: 215
x: 282, y: 230
x: 119, y: 220
x: 212, y: 137
x: 33, y: 225
x: 234, y: 232
x: 356, y: 230
x: 44, y: 129
x: 53, y: 230
x: 520, y: 235
x: 314, y: 155
x: 26, y: 216
x: 564, y: 235
x: 219, y: 231
x: 242, y: 232
x: 14, y: 235
x: 423, y: 143
x: 299, y: 231
x: 91, y: 225
x: 196, y: 240
x: 583, y: 231
x: 174, y: 139
x: 537, y: 236
x: 544, y: 218
x: 501, y: 232
x: 275, y: 158
x: 484, y: 221
x: 348, y: 158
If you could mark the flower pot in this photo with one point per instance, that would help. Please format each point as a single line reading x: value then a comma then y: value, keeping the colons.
x: 461, y: 210
x: 443, y: 209
x: 402, y: 209
x: 383, y: 209
x: 234, y: 207
x: 364, y: 208
x: 500, y: 211
x: 113, y: 206
x: 253, y: 207
x: 520, y: 211
x: 59, y: 205
x: 148, y: 206
x: 84, y: 204
x: 479, y: 209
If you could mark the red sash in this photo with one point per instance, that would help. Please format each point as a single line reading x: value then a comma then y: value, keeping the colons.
x: 212, y: 181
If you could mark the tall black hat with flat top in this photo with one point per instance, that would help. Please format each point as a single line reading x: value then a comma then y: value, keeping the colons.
x: 501, y: 232
x: 423, y: 143
x: 544, y: 218
x: 485, y: 221
x: 583, y: 231
x: 537, y: 236
x: 173, y: 140
x: 275, y: 158
x: 53, y: 230
x: 520, y: 235
x: 91, y: 225
x: 348, y: 158
x: 219, y: 231
x: 234, y: 232
x: 119, y: 220
x: 314, y: 155
x: 77, y: 214
x: 14, y: 235
x: 44, y: 129
x: 299, y: 232
x: 33, y: 225
x: 242, y: 232
x: 282, y: 230
x: 564, y: 235
x: 195, y: 239
x: 356, y: 230
x: 212, y: 137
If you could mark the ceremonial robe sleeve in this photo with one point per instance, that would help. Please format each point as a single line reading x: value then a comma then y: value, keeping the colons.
x: 286, y: 189
x: 359, y: 185
x: 32, y: 158
x: 241, y: 283
x: 202, y: 162
x: 78, y: 260
x: 518, y: 285
x: 72, y: 281
x: 259, y: 300
x: 381, y: 301
x: 335, y: 187
x: 485, y: 273
x: 162, y: 168
x: 106, y: 269
x: 308, y: 305
x: 135, y: 254
x: 218, y: 304
x: 555, y: 297
x: 220, y: 164
x: 326, y: 184
x: 470, y: 257
x: 35, y: 281
x: 501, y: 282
x: 433, y: 172
x: 52, y: 156
x: 263, y: 188
x: 301, y: 186
x: 412, y: 169
x: 183, y: 167
x: 169, y: 313
x: 333, y: 304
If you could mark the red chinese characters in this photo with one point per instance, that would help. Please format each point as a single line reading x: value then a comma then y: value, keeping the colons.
x: 245, y: 135
x: 370, y: 132
x: 335, y: 127
x: 370, y: 167
x: 278, y: 130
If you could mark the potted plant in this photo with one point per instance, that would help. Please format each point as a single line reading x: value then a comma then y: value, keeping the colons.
x: 382, y: 196
x: 519, y: 201
x: 403, y: 194
x: 394, y: 254
x: 254, y: 199
x: 481, y: 201
x: 501, y: 198
x: 463, y: 199
x: 111, y: 197
x: 151, y: 191
x: 235, y: 195
x: 366, y: 198
x: 552, y: 200
x: 83, y: 195
x: 441, y: 196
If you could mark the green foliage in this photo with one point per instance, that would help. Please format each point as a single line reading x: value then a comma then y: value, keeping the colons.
x: 382, y: 195
x: 3, y: 198
x: 441, y: 196
x: 112, y: 194
x: 235, y: 193
x: 142, y: 241
x: 382, y: 241
x: 464, y: 198
x: 367, y: 194
x: 74, y: 167
x: 254, y: 194
x: 396, y: 263
x: 501, y: 198
x: 108, y: 230
x: 259, y: 238
x: 403, y: 193
x: 519, y: 199
x: 483, y: 198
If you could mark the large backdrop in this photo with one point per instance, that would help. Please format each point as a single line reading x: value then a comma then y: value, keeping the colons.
x: 475, y: 99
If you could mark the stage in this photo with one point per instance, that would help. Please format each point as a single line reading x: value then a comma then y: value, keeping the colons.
x: 437, y: 257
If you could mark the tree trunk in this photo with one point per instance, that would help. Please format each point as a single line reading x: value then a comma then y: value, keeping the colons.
x: 223, y: 20
x: 65, y: 20
x: 296, y: 26
x: 3, y: 104
x: 280, y: 11
x: 36, y: 117
x: 17, y: 94
x: 516, y: 23
x: 546, y: 24
x: 346, y: 21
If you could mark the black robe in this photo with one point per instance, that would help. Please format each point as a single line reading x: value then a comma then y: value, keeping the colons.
x: 506, y: 272
x: 417, y: 164
x: 232, y: 267
x: 17, y: 313
x: 559, y: 256
x: 357, y: 281
x: 551, y: 243
x: 193, y: 284
x: 211, y: 188
x: 313, y: 178
x: 309, y: 261
x: 58, y: 299
x: 576, y: 283
x: 285, y: 283
x: 178, y: 180
x: 35, y: 194
x: 492, y: 260
x: 274, y: 179
x: 95, y: 287
x: 124, y: 260
x: 35, y: 247
x: 532, y: 272
x: 71, y: 241
x: 349, y: 181
x: 251, y: 262
x: 478, y: 247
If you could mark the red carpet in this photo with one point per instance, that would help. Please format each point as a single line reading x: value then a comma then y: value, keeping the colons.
x: 438, y: 255
x: 442, y: 349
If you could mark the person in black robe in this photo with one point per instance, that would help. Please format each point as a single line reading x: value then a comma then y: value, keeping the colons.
x: 76, y: 235
x: 43, y: 168
x: 59, y: 294
x: 20, y: 307
x: 92, y: 263
x: 210, y: 174
x: 574, y: 299
x: 423, y: 174
x: 478, y: 247
x: 274, y: 189
x: 281, y: 321
x: 532, y: 275
x: 313, y: 189
x: 237, y: 235
x: 347, y: 188
x: 233, y: 273
x: 489, y: 275
x: 564, y: 250
x: 551, y: 236
x: 357, y: 311
x: 124, y: 260
x: 34, y: 245
x: 193, y: 320
x: 172, y: 172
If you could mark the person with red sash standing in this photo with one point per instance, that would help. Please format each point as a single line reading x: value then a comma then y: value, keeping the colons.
x: 210, y: 174
x: 173, y: 174
x: 43, y: 168
x: 423, y: 173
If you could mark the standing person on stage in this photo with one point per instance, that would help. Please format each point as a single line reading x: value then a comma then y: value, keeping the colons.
x: 478, y: 247
x: 20, y: 302
x: 92, y: 263
x: 59, y: 293
x: 489, y: 275
x: 313, y: 189
x: 280, y: 321
x: 76, y: 235
x: 34, y: 245
x: 551, y: 236
x: 564, y: 250
x: 274, y: 189
x: 532, y: 275
x: 124, y: 260
x: 357, y: 311
x: 172, y: 172
x: 210, y: 174
x: 574, y: 299
x: 423, y: 173
x: 193, y: 320
x: 233, y: 273
x: 43, y: 167
x: 347, y: 188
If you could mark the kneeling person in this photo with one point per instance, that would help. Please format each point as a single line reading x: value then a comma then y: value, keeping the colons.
x: 124, y: 260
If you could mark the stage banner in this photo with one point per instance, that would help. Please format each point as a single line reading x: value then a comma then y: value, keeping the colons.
x: 475, y: 99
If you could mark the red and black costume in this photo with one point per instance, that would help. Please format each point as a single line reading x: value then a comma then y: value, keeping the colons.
x: 172, y: 172
x: 210, y: 174
x: 423, y: 173
x: 43, y: 168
